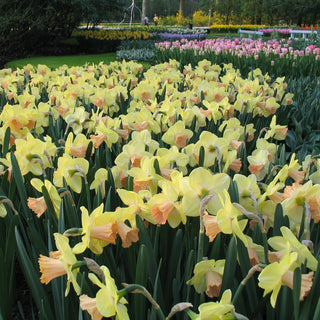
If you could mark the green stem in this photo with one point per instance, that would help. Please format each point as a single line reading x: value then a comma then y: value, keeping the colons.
x: 250, y: 273
x: 203, y: 204
x: 136, y: 288
x: 191, y: 314
x: 265, y: 247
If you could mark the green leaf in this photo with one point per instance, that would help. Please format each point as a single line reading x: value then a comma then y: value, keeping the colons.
x: 49, y: 204
x: 5, y: 144
x: 142, y: 269
x: 32, y: 277
x: 278, y: 221
x: 230, y: 266
x: 245, y: 266
x: 16, y: 174
x: 296, y: 292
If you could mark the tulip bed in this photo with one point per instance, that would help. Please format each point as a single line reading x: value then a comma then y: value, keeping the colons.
x: 277, y: 57
x: 163, y: 193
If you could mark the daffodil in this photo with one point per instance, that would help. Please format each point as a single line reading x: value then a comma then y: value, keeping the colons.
x: 219, y: 310
x: 170, y: 159
x: 125, y: 219
x: 177, y: 135
x: 277, y: 274
x: 248, y: 190
x: 199, y: 184
x: 296, y: 198
x: 100, y: 177
x: 139, y: 201
x: 107, y: 299
x: 208, y: 277
x: 76, y: 119
x: 259, y: 163
x: 276, y: 131
x: 131, y: 155
x: 95, y: 236
x: 76, y: 146
x: 59, y: 263
x: 166, y: 206
x: 38, y: 205
x: 90, y: 305
x: 104, y: 134
x: 31, y: 154
x: 227, y: 218
x: 215, y: 148
x: 304, y: 255
x: 72, y: 170
x: 145, y: 176
x: 145, y: 137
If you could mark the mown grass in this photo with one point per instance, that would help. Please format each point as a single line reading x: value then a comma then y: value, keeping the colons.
x: 57, y: 61
x: 75, y: 60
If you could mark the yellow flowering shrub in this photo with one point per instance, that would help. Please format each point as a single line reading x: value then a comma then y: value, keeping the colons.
x: 200, y: 18
x: 112, y: 34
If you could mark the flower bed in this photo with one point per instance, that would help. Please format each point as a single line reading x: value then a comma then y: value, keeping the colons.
x: 175, y: 182
x: 273, y: 56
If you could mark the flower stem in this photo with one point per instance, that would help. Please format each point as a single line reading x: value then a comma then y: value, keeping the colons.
x: 203, y: 204
x: 250, y: 273
x: 136, y: 288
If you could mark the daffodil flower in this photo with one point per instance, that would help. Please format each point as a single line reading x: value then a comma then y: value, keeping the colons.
x: 38, y: 205
x: 304, y: 255
x: 177, y: 135
x: 200, y: 183
x: 277, y: 274
x: 219, y: 310
x: 95, y: 235
x: 227, y: 218
x: 107, y: 301
x: 59, y: 263
x: 208, y: 277
x: 72, y: 170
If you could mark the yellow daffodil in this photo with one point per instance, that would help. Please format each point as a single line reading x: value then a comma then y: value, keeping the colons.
x: 38, y: 205
x: 72, y: 170
x: 277, y: 274
x: 32, y: 155
x: 171, y: 158
x: 60, y: 263
x: 177, y: 135
x: 208, y: 277
x: 95, y: 236
x: 199, y: 184
x: 131, y: 155
x: 145, y: 176
x: 215, y: 148
x: 219, y: 310
x: 166, y: 206
x: 139, y: 201
x: 76, y: 146
x: 227, y: 218
x: 259, y: 163
x: 76, y: 119
x: 104, y: 134
x: 276, y: 131
x: 248, y: 190
x: 107, y: 300
x: 304, y: 255
x: 296, y: 198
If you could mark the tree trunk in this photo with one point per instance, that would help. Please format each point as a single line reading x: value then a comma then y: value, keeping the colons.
x: 144, y: 10
x: 182, y: 7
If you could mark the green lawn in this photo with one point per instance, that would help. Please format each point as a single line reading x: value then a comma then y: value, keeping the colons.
x: 57, y: 61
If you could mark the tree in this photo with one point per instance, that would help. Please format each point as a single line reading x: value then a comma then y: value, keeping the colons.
x: 28, y: 27
x: 183, y: 8
x: 144, y: 9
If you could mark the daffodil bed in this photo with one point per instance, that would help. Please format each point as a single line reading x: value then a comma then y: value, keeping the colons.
x: 174, y: 183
